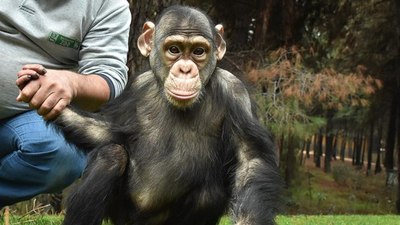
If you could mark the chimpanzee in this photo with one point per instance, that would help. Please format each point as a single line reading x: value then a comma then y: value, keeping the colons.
x: 181, y: 145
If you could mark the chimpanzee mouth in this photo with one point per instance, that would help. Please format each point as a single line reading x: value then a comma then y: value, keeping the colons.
x: 182, y: 95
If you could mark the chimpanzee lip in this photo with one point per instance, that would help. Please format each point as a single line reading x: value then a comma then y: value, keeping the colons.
x: 182, y: 95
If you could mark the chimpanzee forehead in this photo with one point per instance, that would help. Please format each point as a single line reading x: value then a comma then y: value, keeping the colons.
x: 185, y: 21
x: 188, y: 31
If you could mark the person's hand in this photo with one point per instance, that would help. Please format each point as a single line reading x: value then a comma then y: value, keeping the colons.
x: 47, y: 91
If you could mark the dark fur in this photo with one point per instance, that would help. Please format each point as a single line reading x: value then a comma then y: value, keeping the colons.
x: 156, y: 164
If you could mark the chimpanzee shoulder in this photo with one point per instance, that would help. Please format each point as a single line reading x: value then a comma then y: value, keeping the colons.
x: 234, y: 89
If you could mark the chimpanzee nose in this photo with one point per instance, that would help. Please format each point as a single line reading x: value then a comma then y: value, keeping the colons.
x: 185, y: 69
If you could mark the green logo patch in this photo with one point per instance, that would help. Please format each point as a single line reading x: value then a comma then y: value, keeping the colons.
x: 59, y: 39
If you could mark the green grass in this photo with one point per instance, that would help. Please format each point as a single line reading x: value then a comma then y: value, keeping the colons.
x: 34, y: 220
x: 56, y: 220
x: 339, y: 220
x: 281, y: 220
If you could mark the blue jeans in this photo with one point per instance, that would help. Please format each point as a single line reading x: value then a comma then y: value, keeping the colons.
x: 34, y: 159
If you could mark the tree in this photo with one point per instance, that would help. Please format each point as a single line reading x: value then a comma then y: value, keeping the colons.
x: 295, y: 100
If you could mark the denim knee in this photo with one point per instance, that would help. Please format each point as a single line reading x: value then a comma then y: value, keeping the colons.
x: 66, y: 165
x: 52, y: 167
x: 36, y: 159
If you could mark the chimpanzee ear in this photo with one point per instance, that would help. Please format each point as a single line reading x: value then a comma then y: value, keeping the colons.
x: 145, y: 40
x: 221, y: 44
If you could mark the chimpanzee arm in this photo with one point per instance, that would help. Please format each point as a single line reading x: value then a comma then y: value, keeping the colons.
x: 84, y: 129
x: 89, y: 203
x: 257, y: 184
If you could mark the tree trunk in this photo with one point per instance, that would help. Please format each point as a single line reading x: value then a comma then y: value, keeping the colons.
x: 334, y: 147
x: 315, y: 144
x: 264, y: 21
x: 303, y: 148
x: 398, y: 141
x: 328, y: 144
x: 281, y: 146
x: 353, y: 150
x: 370, y: 148
x: 308, y: 147
x: 318, y: 150
x: 289, y: 20
x: 398, y: 170
x: 290, y: 160
x: 343, y: 146
x: 328, y: 153
x: 357, y: 151
x: 391, y: 135
x: 364, y: 144
x: 378, y: 167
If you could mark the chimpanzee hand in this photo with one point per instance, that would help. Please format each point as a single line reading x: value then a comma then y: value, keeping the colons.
x: 47, y: 91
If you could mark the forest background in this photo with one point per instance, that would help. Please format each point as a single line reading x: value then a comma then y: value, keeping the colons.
x: 326, y: 77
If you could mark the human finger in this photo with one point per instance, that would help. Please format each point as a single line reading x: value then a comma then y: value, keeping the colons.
x: 27, y: 92
x: 56, y: 110
x: 36, y: 67
x: 45, y: 99
x: 22, y: 73
x: 22, y: 81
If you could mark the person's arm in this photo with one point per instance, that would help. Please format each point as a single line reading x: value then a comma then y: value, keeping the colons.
x: 102, y: 70
x: 105, y: 47
x: 53, y: 90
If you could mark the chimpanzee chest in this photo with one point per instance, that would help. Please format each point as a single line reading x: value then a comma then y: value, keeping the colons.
x: 173, y: 162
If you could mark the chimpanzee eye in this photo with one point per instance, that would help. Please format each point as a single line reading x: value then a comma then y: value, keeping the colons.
x: 174, y: 49
x: 199, y: 51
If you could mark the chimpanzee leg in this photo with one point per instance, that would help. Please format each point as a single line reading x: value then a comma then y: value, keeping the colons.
x: 88, y: 203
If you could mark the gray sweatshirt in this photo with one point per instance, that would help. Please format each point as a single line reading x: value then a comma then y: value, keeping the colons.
x: 85, y: 36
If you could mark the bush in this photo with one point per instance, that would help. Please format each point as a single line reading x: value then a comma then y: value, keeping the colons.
x: 340, y: 173
x: 345, y: 175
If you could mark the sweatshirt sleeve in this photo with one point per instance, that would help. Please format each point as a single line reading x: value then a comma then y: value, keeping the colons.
x: 105, y: 46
